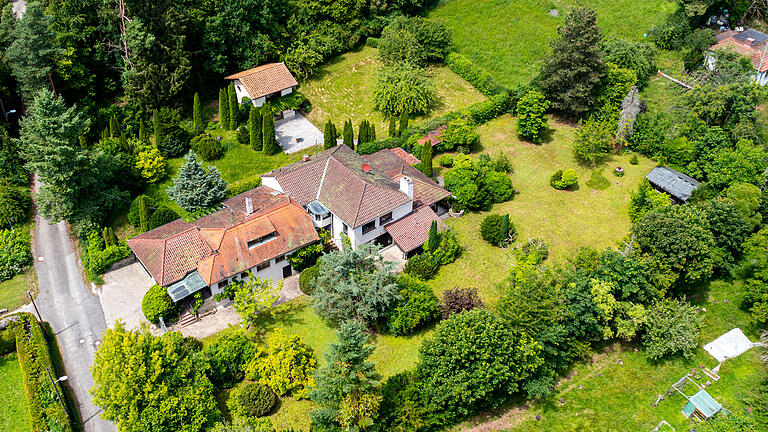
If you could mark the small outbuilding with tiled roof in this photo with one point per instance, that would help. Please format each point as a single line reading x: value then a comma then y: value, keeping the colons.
x: 263, y: 83
x: 253, y: 233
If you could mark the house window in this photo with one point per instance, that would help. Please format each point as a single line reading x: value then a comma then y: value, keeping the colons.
x: 281, y: 258
x: 243, y: 275
x: 344, y: 228
x: 261, y: 240
x: 386, y: 218
x: 369, y: 227
x: 224, y: 283
x: 262, y: 266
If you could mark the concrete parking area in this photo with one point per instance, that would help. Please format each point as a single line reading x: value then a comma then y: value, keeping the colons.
x: 121, y: 295
x: 297, y: 133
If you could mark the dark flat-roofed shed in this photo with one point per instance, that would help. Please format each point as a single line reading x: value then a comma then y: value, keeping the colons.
x: 676, y: 184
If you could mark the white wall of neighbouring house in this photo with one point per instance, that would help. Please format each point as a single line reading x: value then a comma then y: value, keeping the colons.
x: 271, y: 183
x: 359, y: 238
x: 274, y: 272
x: 240, y: 90
x: 289, y: 90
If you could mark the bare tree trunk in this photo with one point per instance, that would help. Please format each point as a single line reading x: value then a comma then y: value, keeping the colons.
x: 124, y: 44
x: 53, y: 88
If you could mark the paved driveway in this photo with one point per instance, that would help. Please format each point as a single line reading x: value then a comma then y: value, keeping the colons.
x: 297, y: 133
x: 121, y: 295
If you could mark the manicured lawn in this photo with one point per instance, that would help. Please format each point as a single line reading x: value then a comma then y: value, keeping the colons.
x: 392, y: 355
x: 343, y: 89
x: 619, y: 397
x: 566, y: 220
x: 510, y: 38
x: 13, y: 292
x: 13, y: 400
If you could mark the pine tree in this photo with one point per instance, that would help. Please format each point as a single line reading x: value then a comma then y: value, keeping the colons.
x: 194, y: 188
x: 197, y: 115
x: 425, y: 165
x: 156, y: 128
x: 571, y: 74
x: 142, y: 132
x: 110, y: 239
x: 403, y: 123
x: 144, y: 213
x: 269, y: 142
x: 223, y: 109
x: 392, y: 127
x: 233, y: 107
x: 329, y: 135
x: 114, y: 128
x: 33, y: 53
x: 349, y: 138
x: 347, y: 379
x: 432, y: 240
x: 254, y: 128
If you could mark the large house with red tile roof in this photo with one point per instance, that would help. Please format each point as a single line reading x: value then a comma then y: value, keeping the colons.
x: 254, y: 232
x: 749, y: 43
x: 263, y: 83
x: 377, y: 198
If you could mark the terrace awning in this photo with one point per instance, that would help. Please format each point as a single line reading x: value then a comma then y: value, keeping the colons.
x: 191, y: 284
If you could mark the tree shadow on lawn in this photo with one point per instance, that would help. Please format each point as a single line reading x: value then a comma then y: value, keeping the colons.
x: 285, y: 315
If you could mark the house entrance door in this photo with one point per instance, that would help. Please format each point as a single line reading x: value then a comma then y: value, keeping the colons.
x: 287, y: 271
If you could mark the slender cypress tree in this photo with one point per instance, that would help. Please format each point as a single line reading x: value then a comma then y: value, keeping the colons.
x: 197, y: 115
x: 432, y: 239
x: 254, y: 128
x: 223, y: 109
x: 269, y: 142
x: 114, y: 128
x: 110, y: 239
x: 362, y: 134
x: 392, y: 127
x: 124, y: 143
x: 425, y: 165
x: 143, y: 213
x: 403, y: 122
x: 371, y: 132
x: 105, y: 133
x: 349, y: 137
x: 156, y: 129
x: 233, y: 107
x: 505, y: 228
x: 329, y: 135
x: 142, y: 131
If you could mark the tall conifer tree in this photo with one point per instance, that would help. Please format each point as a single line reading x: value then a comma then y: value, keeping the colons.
x: 223, y: 109
x: 269, y: 142
x: 197, y: 115
x: 329, y: 135
x: 233, y: 107
x: 425, y: 165
x: 156, y: 128
x: 403, y: 123
x: 349, y: 136
x: 254, y: 128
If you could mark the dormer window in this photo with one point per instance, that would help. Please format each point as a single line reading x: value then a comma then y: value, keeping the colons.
x: 261, y: 240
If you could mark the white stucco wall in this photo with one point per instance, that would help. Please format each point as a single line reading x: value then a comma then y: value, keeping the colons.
x: 289, y: 90
x: 271, y: 183
x: 273, y: 272
x: 240, y: 90
x: 397, y: 213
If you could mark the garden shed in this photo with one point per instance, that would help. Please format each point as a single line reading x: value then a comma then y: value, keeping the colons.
x: 678, y: 185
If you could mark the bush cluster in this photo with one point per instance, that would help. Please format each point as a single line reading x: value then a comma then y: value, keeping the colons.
x: 445, y: 161
x: 422, y: 266
x: 98, y: 257
x: 478, y: 185
x: 457, y: 300
x: 207, y: 147
x: 306, y: 257
x: 15, y: 253
x: 227, y: 357
x: 307, y: 279
x: 418, y: 307
x: 475, y: 75
x: 15, y: 203
x: 251, y: 400
x: 157, y: 303
x: 497, y: 230
x: 564, y: 179
x: 285, y: 365
x: 162, y: 216
x: 444, y: 251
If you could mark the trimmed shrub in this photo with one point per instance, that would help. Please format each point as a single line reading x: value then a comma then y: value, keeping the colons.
x: 157, y: 303
x: 162, y: 216
x: 564, y: 179
x: 97, y: 257
x: 422, y: 266
x: 243, y: 136
x: 457, y: 300
x: 14, y: 205
x: 306, y: 257
x: 633, y: 160
x: 481, y: 79
x: 448, y: 248
x: 227, y: 357
x: 459, y: 134
x: 418, y: 307
x: 15, y: 253
x: 285, y: 365
x: 531, y: 117
x: 673, y: 327
x: 372, y: 42
x: 207, y: 147
x: 238, y: 188
x: 140, y: 211
x: 499, y: 185
x: 172, y: 146
x: 251, y: 400
x: 445, y: 161
x: 307, y: 279
x: 497, y: 229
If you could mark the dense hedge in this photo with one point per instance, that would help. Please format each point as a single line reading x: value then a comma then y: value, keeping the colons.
x: 251, y: 400
x: 418, y: 307
x: 238, y: 188
x: 307, y: 279
x: 475, y: 75
x: 15, y: 253
x: 34, y: 357
x: 97, y: 258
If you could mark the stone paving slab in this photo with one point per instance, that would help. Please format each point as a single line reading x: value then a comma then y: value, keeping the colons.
x: 297, y: 133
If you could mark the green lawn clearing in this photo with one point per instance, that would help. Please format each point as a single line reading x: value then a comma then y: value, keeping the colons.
x: 566, y: 220
x: 393, y: 354
x: 13, y: 292
x: 342, y: 89
x: 13, y: 399
x: 619, y: 396
x: 661, y: 93
x: 510, y: 38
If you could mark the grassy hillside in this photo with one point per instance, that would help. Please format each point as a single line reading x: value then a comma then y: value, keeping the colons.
x: 509, y: 38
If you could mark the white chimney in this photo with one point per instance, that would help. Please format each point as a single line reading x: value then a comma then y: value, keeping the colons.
x: 749, y: 42
x: 248, y: 205
x: 406, y: 186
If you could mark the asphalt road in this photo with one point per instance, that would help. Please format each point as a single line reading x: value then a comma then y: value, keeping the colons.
x: 75, y: 314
